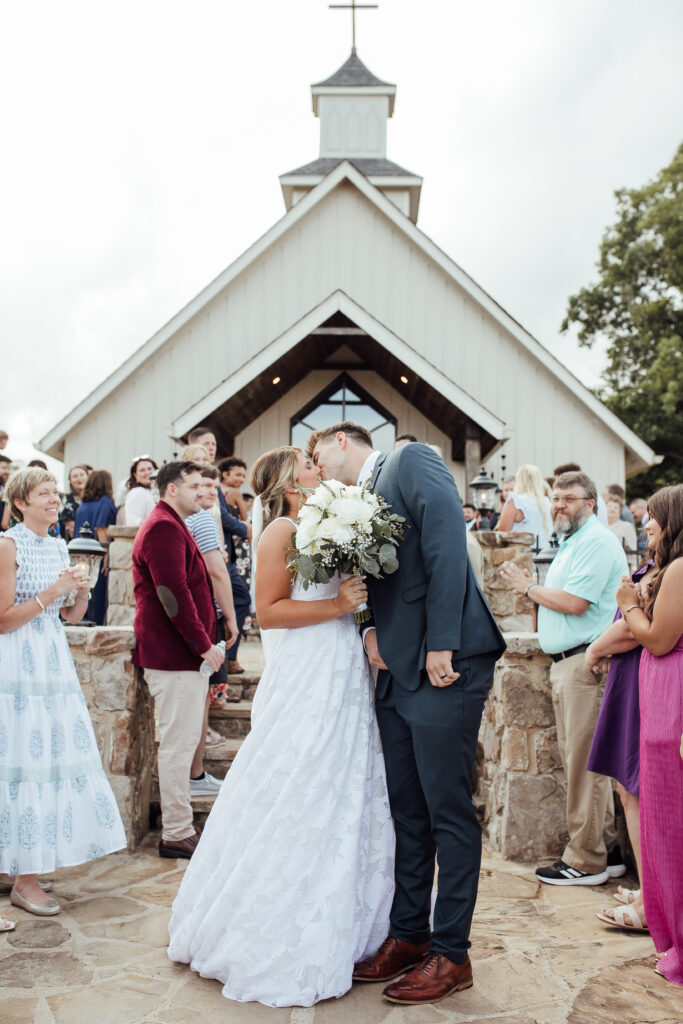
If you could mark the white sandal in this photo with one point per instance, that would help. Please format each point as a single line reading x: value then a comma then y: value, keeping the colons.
x: 623, y: 895
x: 6, y: 925
x: 616, y: 918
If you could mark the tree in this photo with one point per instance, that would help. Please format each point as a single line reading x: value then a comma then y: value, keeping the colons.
x: 637, y: 307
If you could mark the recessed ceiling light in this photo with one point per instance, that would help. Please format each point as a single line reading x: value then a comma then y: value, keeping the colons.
x: 404, y: 380
x: 276, y: 380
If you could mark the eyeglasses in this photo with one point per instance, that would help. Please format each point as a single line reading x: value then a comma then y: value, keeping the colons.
x: 571, y: 499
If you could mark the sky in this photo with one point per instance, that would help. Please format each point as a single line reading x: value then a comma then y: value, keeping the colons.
x: 142, y: 143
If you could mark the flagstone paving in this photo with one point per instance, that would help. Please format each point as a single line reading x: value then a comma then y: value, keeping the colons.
x: 539, y: 956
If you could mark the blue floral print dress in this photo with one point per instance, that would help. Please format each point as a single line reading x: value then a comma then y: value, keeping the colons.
x: 57, y: 808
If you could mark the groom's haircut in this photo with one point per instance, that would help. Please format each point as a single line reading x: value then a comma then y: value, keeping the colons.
x: 174, y: 473
x: 353, y: 430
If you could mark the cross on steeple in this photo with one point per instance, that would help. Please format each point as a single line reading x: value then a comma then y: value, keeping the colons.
x: 353, y: 7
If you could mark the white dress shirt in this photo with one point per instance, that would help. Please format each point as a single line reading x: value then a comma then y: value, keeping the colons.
x: 368, y: 467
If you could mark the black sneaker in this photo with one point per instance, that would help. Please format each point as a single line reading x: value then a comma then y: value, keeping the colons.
x: 615, y: 863
x: 561, y: 874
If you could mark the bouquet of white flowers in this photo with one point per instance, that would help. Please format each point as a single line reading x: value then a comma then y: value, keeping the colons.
x: 345, y: 529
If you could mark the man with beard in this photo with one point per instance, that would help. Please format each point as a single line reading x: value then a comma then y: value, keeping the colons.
x: 576, y: 604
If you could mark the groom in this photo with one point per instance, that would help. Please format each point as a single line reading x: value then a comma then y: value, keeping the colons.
x: 435, y: 643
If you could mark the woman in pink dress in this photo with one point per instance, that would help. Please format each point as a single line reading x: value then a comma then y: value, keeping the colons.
x: 657, y: 623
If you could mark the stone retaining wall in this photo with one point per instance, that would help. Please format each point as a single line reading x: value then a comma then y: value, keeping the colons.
x: 512, y: 613
x: 122, y: 714
x: 520, y: 789
x: 121, y: 602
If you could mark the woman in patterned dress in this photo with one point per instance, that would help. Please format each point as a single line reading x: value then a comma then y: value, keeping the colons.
x: 56, y: 805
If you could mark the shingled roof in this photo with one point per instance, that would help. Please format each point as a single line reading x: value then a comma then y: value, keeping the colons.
x: 353, y: 72
x: 370, y: 167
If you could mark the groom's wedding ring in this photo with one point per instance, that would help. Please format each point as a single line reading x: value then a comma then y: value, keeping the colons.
x: 443, y: 676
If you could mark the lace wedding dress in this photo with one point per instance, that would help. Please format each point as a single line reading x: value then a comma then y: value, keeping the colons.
x: 292, y: 880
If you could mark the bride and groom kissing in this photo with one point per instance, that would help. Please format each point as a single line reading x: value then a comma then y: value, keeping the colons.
x: 316, y: 866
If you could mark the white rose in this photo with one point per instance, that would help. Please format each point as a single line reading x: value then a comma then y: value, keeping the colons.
x: 343, y: 534
x: 346, y: 509
x: 327, y: 528
x: 305, y: 535
x: 310, y: 513
x: 326, y: 493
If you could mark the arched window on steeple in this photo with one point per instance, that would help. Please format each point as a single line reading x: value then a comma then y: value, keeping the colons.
x: 344, y: 399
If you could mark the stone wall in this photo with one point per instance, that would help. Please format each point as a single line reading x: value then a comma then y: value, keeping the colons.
x: 121, y: 602
x: 122, y: 714
x: 520, y: 788
x: 512, y: 613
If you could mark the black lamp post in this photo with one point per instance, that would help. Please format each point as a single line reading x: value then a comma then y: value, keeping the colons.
x: 87, y: 552
x: 544, y: 558
x: 483, y: 489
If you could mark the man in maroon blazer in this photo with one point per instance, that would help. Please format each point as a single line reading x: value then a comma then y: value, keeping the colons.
x: 175, y: 619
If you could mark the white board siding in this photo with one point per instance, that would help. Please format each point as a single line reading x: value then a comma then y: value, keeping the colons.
x: 346, y: 243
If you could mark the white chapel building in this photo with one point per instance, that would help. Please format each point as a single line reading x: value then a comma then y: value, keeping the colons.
x: 344, y: 309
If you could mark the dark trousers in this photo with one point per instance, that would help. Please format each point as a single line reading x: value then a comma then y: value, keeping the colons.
x: 242, y: 601
x: 429, y: 737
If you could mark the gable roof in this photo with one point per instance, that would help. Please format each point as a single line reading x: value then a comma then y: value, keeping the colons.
x: 369, y: 166
x: 346, y: 172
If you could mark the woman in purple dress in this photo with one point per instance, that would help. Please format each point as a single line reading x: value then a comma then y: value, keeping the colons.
x: 615, y: 751
x: 658, y: 625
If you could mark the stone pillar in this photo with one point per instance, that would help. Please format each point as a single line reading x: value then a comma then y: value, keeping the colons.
x: 121, y: 601
x: 512, y: 613
x: 520, y: 789
x: 122, y: 714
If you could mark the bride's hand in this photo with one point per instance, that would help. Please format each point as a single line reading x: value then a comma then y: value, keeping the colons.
x: 352, y: 593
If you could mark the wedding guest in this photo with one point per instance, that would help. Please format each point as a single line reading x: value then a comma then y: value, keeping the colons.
x: 174, y: 625
x: 77, y: 479
x: 574, y: 467
x: 638, y: 509
x: 207, y: 534
x: 98, y: 510
x: 139, y: 499
x: 471, y: 516
x: 233, y: 473
x: 527, y: 507
x: 4, y: 438
x: 575, y: 606
x: 618, y: 492
x: 233, y: 529
x: 37, y: 464
x: 657, y: 624
x: 58, y: 807
x: 5, y: 470
x: 624, y: 532
x: 502, y: 493
x: 615, y: 750
x: 248, y: 500
x: 404, y: 439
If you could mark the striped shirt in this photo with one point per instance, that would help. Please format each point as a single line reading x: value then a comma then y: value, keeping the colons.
x: 204, y: 528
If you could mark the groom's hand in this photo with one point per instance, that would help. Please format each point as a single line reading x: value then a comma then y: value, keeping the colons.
x: 372, y: 650
x: 439, y: 668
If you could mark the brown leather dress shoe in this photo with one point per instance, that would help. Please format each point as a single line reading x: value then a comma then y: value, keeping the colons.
x: 432, y: 980
x: 179, y: 847
x: 234, y: 668
x: 393, y: 957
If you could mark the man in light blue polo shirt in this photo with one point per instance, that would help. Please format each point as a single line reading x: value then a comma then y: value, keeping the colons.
x: 577, y: 604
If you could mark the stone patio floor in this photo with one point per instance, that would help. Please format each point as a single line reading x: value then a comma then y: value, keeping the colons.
x: 539, y: 957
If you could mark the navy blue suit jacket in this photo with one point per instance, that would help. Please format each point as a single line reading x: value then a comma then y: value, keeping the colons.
x: 433, y: 602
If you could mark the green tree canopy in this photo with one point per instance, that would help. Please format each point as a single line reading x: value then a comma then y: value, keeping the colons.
x: 637, y: 307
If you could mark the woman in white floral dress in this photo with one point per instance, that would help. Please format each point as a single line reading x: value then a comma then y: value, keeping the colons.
x: 57, y: 808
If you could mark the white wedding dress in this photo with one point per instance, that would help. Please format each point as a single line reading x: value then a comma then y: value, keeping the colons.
x: 293, y: 878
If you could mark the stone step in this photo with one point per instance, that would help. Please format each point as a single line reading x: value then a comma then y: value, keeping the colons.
x: 244, y: 686
x: 232, y: 720
x: 217, y: 760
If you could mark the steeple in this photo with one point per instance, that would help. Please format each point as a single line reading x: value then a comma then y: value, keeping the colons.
x: 353, y: 106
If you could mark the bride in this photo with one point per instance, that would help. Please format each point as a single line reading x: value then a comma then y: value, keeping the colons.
x: 292, y: 880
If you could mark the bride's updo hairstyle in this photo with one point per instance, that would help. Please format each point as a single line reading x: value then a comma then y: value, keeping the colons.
x: 271, y: 475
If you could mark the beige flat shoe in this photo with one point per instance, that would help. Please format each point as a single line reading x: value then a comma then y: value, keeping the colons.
x: 6, y: 925
x: 616, y: 918
x: 48, y: 909
x: 6, y: 887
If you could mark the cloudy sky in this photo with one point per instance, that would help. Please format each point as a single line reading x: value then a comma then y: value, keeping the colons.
x: 142, y: 143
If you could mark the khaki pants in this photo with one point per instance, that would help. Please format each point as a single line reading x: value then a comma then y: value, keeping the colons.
x: 577, y: 693
x: 180, y: 698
